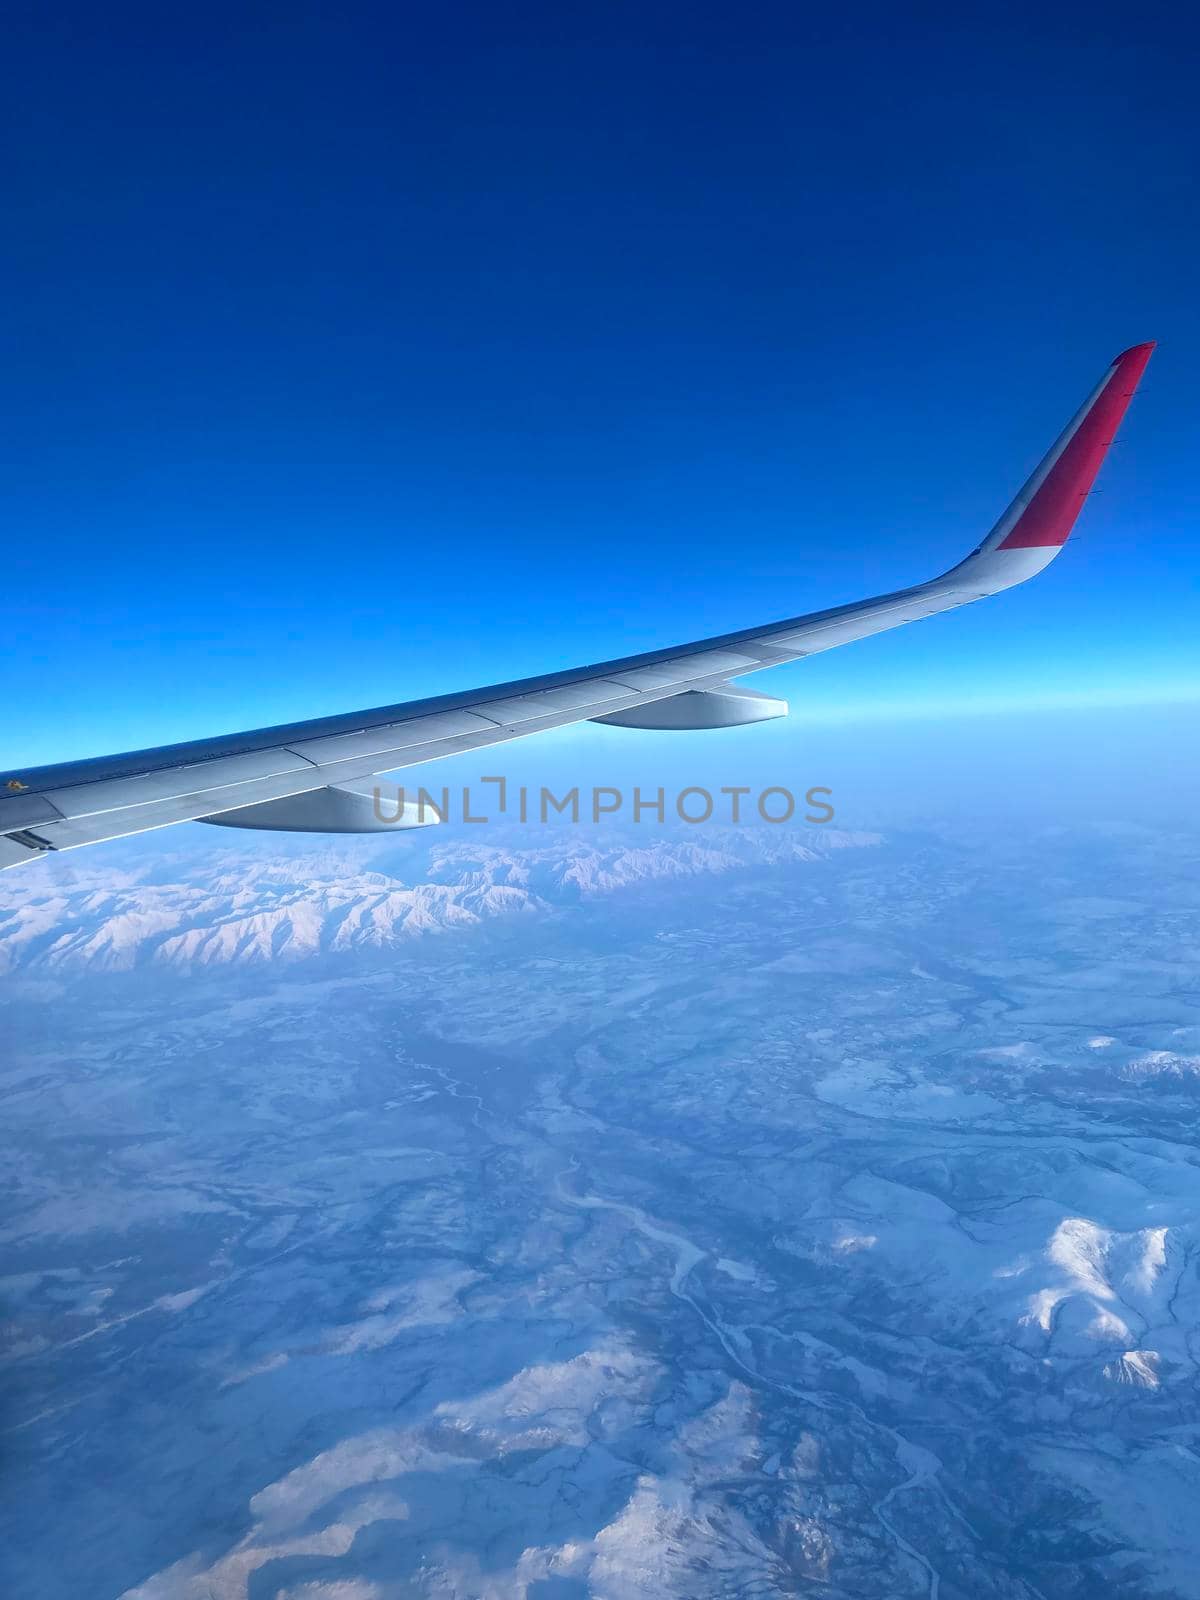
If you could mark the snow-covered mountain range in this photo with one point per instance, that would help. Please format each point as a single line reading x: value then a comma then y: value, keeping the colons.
x: 696, y: 1216
x: 230, y: 906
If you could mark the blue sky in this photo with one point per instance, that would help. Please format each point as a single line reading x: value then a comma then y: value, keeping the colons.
x: 356, y: 356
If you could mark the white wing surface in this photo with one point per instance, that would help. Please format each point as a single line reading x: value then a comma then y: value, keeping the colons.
x: 301, y: 775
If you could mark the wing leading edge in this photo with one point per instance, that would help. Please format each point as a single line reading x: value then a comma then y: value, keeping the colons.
x: 76, y: 803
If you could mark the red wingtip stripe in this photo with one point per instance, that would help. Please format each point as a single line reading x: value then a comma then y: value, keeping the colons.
x: 1137, y: 349
x: 1050, y: 515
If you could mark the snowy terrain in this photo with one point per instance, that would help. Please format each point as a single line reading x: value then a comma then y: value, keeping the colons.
x: 74, y: 913
x: 721, y: 1216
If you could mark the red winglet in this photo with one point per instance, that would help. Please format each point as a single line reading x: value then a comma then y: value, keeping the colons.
x: 1050, y: 515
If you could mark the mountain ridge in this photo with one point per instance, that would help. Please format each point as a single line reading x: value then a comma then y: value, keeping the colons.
x: 225, y: 909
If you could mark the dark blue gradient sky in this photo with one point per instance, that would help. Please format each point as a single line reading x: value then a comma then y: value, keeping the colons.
x: 364, y: 352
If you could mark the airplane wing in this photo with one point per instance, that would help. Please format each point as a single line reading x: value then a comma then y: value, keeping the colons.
x: 301, y: 776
